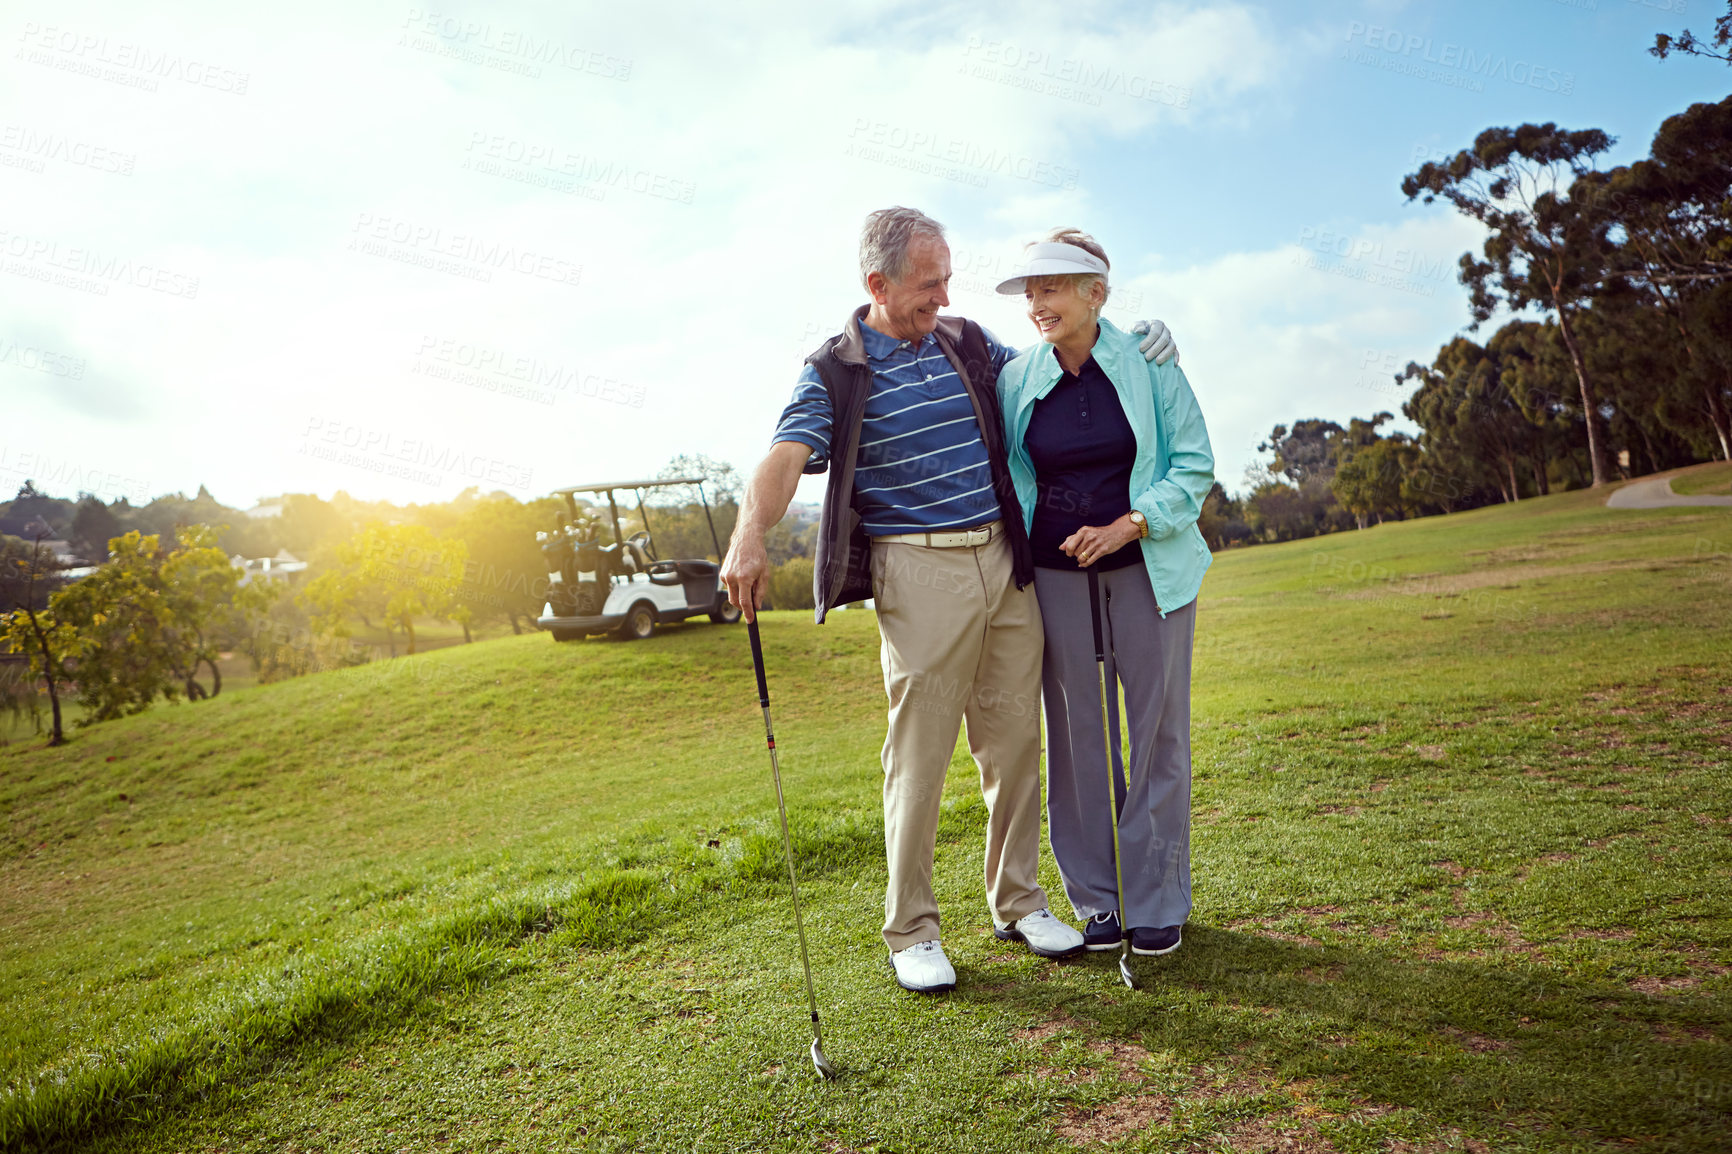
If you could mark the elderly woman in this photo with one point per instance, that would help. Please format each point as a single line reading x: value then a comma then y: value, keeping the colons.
x: 1111, y: 462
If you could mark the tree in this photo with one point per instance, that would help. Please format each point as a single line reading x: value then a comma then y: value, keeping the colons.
x: 39, y: 633
x: 1544, y: 250
x: 1535, y: 374
x: 400, y: 571
x: 1719, y: 48
x: 1305, y: 454
x: 20, y: 516
x: 1671, y: 212
x: 505, y: 574
x: 681, y: 525
x: 92, y: 526
x: 1279, y: 512
x: 1305, y: 451
x: 150, y: 617
x: 1222, y: 519
x: 1371, y: 482
x: 205, y: 604
x: 310, y: 525
x: 119, y: 613
x: 1649, y: 380
x: 791, y: 584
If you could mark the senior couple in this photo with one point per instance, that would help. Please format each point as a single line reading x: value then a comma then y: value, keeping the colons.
x: 971, y: 490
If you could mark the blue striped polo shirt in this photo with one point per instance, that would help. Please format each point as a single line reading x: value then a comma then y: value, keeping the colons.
x: 922, y: 463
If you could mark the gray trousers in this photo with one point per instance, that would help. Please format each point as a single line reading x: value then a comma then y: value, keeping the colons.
x: 1151, y: 656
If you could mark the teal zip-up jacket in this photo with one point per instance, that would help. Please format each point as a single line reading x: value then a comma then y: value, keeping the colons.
x: 1174, y: 469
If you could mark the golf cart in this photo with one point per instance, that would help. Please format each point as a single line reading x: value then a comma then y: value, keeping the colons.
x: 623, y: 586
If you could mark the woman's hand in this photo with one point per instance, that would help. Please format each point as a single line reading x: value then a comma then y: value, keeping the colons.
x: 1092, y: 542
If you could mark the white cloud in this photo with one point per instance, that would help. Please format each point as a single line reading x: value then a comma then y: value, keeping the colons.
x: 699, y: 312
x: 1316, y: 328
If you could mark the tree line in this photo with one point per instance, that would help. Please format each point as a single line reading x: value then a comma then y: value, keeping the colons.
x: 166, y: 596
x: 1614, y: 352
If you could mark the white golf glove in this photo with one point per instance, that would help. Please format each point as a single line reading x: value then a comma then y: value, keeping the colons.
x: 1157, y: 344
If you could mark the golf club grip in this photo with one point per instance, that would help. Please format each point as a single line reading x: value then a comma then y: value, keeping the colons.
x: 758, y: 664
x: 1095, y: 614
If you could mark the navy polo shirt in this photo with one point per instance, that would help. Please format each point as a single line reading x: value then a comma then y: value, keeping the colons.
x: 1082, y: 448
x: 922, y: 464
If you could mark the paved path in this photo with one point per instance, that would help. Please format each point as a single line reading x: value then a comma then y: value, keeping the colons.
x: 1657, y: 494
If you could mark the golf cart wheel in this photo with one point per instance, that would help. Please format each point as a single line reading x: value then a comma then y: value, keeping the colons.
x: 639, y: 622
x: 725, y: 612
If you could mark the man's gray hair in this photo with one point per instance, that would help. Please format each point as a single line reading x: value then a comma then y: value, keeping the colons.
x: 885, y: 238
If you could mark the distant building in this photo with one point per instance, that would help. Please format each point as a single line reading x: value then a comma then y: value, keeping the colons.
x: 284, y: 565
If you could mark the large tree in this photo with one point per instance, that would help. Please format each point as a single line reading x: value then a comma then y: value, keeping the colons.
x: 1672, y: 214
x: 1463, y: 415
x: 150, y: 617
x: 1544, y: 249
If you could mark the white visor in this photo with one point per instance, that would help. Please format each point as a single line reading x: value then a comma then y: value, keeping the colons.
x: 1052, y: 258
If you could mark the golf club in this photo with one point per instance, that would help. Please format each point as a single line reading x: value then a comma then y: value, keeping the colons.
x: 1107, y: 744
x: 818, y: 1059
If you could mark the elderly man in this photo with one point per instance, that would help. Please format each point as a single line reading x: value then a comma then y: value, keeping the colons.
x: 920, y: 513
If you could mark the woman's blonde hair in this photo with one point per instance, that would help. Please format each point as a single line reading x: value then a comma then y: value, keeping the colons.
x: 1080, y: 281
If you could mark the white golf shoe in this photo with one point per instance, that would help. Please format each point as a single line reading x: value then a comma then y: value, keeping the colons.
x: 923, y: 968
x: 1044, y: 934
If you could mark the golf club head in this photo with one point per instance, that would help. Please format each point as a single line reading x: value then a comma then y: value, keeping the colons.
x: 1130, y: 979
x: 821, y: 1062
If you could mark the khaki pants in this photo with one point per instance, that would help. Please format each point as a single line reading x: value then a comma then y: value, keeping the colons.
x: 960, y: 641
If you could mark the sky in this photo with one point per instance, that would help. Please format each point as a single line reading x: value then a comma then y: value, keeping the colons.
x: 403, y: 249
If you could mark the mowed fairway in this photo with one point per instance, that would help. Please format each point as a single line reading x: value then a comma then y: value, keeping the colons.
x: 1462, y: 849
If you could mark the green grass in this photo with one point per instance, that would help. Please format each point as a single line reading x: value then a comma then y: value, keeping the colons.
x: 1463, y: 824
x: 1715, y: 479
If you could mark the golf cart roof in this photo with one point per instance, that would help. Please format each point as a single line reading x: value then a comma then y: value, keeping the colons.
x: 604, y: 486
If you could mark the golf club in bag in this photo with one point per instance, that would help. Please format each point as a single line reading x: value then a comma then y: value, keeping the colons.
x: 818, y: 1059
x: 1107, y: 744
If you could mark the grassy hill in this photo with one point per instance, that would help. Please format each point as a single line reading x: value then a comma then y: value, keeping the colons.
x: 1462, y: 818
